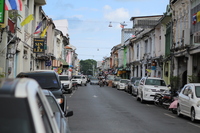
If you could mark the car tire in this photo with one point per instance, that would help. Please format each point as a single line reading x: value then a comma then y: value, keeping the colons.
x: 141, y: 98
x: 85, y: 84
x: 193, y: 115
x: 178, y: 111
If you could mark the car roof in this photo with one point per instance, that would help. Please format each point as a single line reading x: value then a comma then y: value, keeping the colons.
x: 19, y: 87
x: 153, y: 78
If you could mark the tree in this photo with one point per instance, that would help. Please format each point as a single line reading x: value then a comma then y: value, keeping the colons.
x: 88, y: 67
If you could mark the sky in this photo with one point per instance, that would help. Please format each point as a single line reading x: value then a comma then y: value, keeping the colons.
x: 88, y: 21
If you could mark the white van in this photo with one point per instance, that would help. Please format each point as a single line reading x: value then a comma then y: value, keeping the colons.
x: 80, y: 79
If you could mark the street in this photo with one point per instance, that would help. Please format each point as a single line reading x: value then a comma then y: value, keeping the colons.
x: 108, y: 110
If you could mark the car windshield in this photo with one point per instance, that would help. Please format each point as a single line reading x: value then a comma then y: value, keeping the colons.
x: 15, y: 116
x: 64, y: 78
x: 137, y: 83
x: 197, y: 91
x: 157, y: 82
x: 123, y: 81
x: 94, y: 78
x: 46, y: 81
x: 76, y: 77
x: 117, y: 79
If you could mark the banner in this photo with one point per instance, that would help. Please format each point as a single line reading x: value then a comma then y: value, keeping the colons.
x: 2, y: 11
x: 38, y: 46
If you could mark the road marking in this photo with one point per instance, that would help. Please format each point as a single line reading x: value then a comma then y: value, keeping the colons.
x: 169, y: 115
x: 72, y: 94
x: 94, y: 96
x: 194, y: 124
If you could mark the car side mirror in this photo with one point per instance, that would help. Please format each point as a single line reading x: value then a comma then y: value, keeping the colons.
x: 69, y: 113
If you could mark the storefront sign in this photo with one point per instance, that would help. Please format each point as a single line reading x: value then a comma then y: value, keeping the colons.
x: 2, y: 11
x: 38, y: 45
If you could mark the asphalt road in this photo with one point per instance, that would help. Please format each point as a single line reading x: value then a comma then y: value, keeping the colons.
x: 108, y: 110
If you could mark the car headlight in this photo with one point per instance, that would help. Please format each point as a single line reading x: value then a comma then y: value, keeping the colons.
x: 147, y: 89
x: 60, y: 100
x: 198, y: 104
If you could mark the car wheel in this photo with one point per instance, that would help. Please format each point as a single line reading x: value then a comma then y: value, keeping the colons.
x: 137, y: 98
x: 179, y: 111
x: 85, y: 84
x: 141, y: 98
x: 193, y: 115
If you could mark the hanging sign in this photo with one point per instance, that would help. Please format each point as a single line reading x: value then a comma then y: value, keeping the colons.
x: 38, y: 46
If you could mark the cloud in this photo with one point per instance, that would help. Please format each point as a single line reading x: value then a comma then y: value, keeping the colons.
x: 119, y: 14
x: 86, y: 9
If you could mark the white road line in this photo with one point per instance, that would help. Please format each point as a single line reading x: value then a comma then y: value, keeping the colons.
x: 169, y: 115
x: 194, y: 124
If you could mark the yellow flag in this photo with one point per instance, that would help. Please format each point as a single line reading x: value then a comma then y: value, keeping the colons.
x: 44, y: 32
x: 198, y: 16
x: 148, y: 70
x: 27, y: 20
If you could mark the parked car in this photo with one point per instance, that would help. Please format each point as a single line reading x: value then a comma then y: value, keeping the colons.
x: 25, y: 108
x: 127, y: 87
x: 135, y: 87
x: 61, y: 117
x: 94, y: 81
x: 115, y: 82
x: 121, y: 85
x: 149, y: 86
x: 189, y: 101
x: 48, y: 79
x: 80, y: 79
x: 66, y: 83
x: 131, y: 84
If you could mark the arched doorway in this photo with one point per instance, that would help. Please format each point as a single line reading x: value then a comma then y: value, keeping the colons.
x: 184, y: 78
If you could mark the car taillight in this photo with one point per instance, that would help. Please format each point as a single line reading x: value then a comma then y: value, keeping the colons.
x: 59, y: 100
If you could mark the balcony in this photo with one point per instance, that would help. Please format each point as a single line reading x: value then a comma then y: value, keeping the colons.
x: 40, y: 2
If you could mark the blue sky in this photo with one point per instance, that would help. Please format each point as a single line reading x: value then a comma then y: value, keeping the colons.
x: 89, y: 19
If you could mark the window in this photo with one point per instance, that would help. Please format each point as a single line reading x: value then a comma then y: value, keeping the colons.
x: 197, y: 91
x: 155, y: 82
x: 44, y: 115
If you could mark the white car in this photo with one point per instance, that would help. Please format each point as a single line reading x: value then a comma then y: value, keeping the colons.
x: 25, y: 108
x: 115, y: 82
x: 66, y: 82
x: 189, y: 101
x: 122, y: 84
x: 148, y: 87
x: 80, y: 79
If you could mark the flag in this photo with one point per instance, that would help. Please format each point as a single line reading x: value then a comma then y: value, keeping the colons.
x: 27, y: 20
x: 198, y: 16
x: 37, y: 30
x: 13, y: 5
x: 44, y: 32
x: 194, y: 18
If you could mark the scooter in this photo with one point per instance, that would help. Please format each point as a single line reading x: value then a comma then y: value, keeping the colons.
x: 173, y: 105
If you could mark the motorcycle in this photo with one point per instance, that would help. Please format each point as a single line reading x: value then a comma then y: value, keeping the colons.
x: 173, y: 105
x: 101, y: 83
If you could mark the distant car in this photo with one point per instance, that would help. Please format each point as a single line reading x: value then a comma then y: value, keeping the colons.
x: 109, y: 79
x: 94, y: 81
x: 115, y: 82
x: 61, y: 117
x: 148, y: 87
x: 48, y: 79
x: 127, y: 87
x: 189, y: 101
x: 80, y: 79
x: 25, y: 108
x: 135, y: 87
x: 122, y: 83
x: 66, y: 82
x: 130, y: 84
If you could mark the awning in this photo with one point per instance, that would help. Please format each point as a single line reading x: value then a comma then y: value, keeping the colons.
x: 63, y: 62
